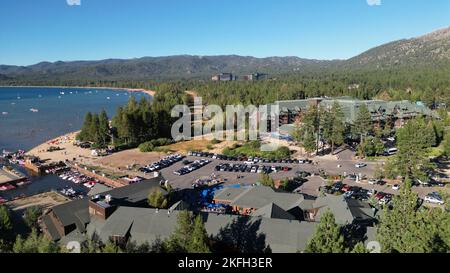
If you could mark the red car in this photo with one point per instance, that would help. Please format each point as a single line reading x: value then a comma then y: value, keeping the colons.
x: 379, y: 195
x: 346, y: 188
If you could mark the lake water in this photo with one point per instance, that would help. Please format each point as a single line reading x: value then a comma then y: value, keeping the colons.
x: 57, y: 114
x: 20, y: 128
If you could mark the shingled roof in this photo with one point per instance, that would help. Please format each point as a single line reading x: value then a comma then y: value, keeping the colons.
x: 379, y: 109
x: 345, y: 211
x: 144, y: 225
x: 77, y: 212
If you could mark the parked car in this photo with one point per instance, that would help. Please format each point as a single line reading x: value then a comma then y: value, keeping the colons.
x: 360, y: 165
x: 373, y: 181
x: 345, y: 188
x: 396, y: 187
x: 434, y: 198
x: 337, y: 186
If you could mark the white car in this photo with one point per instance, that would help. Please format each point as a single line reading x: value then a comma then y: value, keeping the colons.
x: 396, y: 187
x: 434, y: 199
x: 373, y: 181
x: 360, y: 165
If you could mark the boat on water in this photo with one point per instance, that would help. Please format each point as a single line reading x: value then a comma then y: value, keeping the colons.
x: 34, y: 110
x: 7, y: 187
x: 24, y: 183
x: 108, y: 98
x: 4, y: 113
x: 61, y: 93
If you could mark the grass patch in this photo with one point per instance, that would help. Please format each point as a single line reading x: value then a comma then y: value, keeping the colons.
x: 253, y: 148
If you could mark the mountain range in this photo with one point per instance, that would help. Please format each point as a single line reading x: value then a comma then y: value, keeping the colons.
x: 431, y: 50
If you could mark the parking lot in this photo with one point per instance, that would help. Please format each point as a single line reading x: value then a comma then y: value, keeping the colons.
x: 233, y: 177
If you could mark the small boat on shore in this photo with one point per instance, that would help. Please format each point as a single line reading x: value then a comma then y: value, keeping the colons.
x: 7, y: 187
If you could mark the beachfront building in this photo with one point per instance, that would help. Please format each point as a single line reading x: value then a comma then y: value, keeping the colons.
x: 121, y: 215
x: 394, y: 113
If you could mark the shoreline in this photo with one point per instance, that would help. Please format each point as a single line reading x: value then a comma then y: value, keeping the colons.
x: 146, y: 91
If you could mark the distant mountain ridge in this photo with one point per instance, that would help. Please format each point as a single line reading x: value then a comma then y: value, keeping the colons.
x: 428, y: 50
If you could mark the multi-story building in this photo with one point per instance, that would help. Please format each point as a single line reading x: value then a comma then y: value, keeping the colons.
x: 224, y: 77
x: 394, y: 113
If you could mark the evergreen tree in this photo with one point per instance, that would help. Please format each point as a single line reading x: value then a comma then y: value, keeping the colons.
x: 363, y: 124
x: 103, y: 129
x: 446, y: 144
x: 406, y: 228
x: 328, y: 237
x: 333, y: 126
x: 411, y: 159
x: 156, y: 199
x: 111, y: 247
x: 266, y: 180
x: 85, y: 133
x: 35, y: 243
x: 179, y: 241
x: 31, y: 216
x: 5, y: 220
x: 199, y: 239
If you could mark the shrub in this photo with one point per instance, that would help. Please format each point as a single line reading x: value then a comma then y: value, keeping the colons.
x: 146, y: 147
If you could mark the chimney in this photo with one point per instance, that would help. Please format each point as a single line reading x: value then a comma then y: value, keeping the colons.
x: 101, y: 206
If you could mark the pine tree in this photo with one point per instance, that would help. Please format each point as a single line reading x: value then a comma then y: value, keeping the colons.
x: 359, y: 248
x: 180, y: 240
x: 363, y: 124
x: 103, y: 130
x: 446, y: 144
x: 156, y: 199
x: 328, y: 237
x: 411, y: 159
x: 338, y: 134
x: 406, y: 228
x: 5, y: 220
x: 35, y: 243
x: 84, y: 134
x: 199, y: 239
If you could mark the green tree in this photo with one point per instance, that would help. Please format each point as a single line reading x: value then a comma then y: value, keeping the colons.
x: 103, y: 129
x: 157, y: 199
x: 85, y: 133
x: 363, y: 124
x: 35, y: 243
x: 327, y: 237
x: 446, y: 144
x: 180, y: 240
x: 111, y: 247
x: 31, y: 216
x: 333, y: 126
x: 5, y: 220
x: 411, y: 159
x: 407, y: 228
x: 266, y: 180
x: 199, y: 239
x: 359, y: 248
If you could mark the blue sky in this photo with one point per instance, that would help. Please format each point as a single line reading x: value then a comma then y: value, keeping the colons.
x: 51, y: 30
